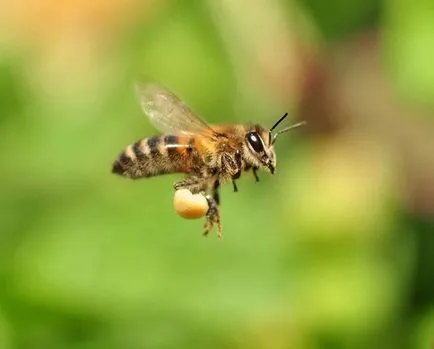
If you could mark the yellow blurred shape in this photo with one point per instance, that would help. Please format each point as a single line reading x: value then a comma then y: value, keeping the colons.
x: 338, y: 190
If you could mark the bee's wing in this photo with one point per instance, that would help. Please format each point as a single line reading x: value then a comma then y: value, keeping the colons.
x: 168, y: 113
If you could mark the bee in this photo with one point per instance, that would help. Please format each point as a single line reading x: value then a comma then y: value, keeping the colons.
x: 208, y: 155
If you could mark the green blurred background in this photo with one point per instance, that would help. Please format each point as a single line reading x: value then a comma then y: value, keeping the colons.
x: 334, y: 251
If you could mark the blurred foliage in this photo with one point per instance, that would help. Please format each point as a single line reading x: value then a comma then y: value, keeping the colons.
x: 334, y: 251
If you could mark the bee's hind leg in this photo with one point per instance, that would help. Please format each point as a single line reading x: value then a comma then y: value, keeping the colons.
x: 193, y: 183
x: 212, y: 217
x: 196, y: 185
x: 213, y: 214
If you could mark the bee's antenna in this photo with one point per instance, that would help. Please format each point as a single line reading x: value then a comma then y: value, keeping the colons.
x: 278, y: 122
x: 298, y: 124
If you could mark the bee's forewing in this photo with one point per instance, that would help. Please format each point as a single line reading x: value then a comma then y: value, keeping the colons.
x: 167, y: 112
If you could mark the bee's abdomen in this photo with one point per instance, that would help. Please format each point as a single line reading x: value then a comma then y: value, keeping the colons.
x: 154, y: 156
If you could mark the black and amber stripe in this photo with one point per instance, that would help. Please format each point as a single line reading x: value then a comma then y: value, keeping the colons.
x: 154, y: 156
x: 170, y: 143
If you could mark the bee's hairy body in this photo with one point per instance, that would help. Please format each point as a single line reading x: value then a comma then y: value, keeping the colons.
x: 207, y: 154
x: 193, y: 155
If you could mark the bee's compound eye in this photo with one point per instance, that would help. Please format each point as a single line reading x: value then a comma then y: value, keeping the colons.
x: 188, y: 205
x: 255, y: 141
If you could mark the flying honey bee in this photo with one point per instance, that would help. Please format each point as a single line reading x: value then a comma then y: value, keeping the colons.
x: 208, y: 154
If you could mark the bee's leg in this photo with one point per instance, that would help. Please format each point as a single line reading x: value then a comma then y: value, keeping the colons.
x: 213, y: 214
x: 235, y: 186
x: 254, y: 169
x: 193, y: 183
x: 196, y: 185
x: 215, y: 192
x: 212, y: 217
x: 234, y: 177
x: 231, y: 167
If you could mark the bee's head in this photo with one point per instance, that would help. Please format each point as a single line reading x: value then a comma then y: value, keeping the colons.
x: 258, y: 150
x: 259, y: 145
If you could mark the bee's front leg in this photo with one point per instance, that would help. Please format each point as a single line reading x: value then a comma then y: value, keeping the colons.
x: 231, y: 166
x: 234, y: 184
x: 255, y: 169
x: 213, y: 214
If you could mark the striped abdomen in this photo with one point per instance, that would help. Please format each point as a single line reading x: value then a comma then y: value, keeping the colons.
x: 156, y: 155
